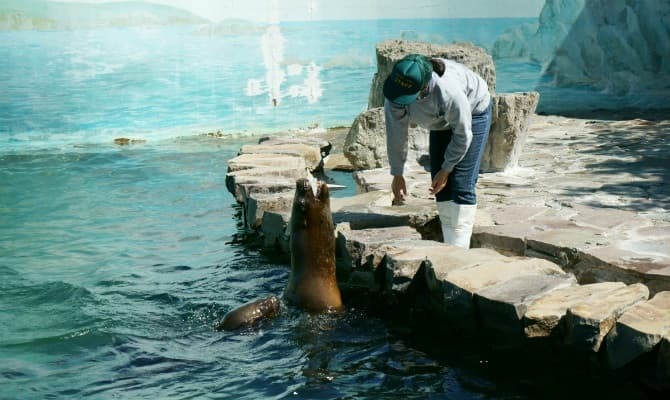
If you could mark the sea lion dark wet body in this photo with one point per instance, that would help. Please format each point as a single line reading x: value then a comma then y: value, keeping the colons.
x: 250, y: 314
x: 312, y: 283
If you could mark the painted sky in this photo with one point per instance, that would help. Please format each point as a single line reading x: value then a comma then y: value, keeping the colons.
x: 292, y: 10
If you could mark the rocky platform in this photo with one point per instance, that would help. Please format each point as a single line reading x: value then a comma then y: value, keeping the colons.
x: 570, y: 246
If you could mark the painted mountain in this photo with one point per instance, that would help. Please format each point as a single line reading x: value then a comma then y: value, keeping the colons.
x: 51, y: 15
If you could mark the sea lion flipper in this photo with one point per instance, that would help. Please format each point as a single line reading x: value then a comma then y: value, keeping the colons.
x: 250, y: 314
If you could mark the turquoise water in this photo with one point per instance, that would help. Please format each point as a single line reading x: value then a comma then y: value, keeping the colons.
x: 116, y: 262
x: 88, y: 86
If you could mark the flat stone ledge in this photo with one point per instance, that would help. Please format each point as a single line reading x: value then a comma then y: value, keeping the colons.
x: 259, y: 203
x: 588, y: 323
x: 502, y: 307
x: 311, y: 154
x: 246, y: 186
x: 322, y: 144
x: 544, y: 315
x: 416, y: 214
x: 250, y: 161
x: 274, y: 229
x: 458, y: 286
x: 639, y: 330
x: 361, y: 246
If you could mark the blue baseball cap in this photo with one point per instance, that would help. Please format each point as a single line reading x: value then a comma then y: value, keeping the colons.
x: 411, y: 74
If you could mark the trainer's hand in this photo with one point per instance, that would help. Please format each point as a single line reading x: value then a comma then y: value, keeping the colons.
x: 399, y: 190
x: 439, y: 182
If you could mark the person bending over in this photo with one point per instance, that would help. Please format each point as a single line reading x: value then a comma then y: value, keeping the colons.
x: 454, y: 103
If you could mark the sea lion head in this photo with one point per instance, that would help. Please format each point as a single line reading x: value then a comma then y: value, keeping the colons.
x: 310, y: 205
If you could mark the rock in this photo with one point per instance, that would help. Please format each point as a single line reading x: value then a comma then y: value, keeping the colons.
x: 458, y: 285
x: 390, y: 51
x: 122, y: 141
x: 274, y: 229
x: 418, y: 214
x: 442, y: 255
x: 417, y: 180
x: 311, y: 154
x: 642, y: 259
x: 356, y: 247
x: 281, y: 161
x: 502, y: 306
x: 638, y: 330
x: 405, y: 256
x: 622, y: 48
x: 365, y: 144
x: 509, y: 239
x: 338, y: 162
x: 361, y: 200
x: 258, y: 203
x: 242, y: 186
x: 511, y: 116
x: 543, y: 316
x: 588, y: 323
x: 313, y: 141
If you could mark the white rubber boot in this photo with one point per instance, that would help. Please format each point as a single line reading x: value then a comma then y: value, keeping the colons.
x: 457, y: 221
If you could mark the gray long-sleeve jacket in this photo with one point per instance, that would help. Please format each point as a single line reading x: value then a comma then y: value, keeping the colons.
x: 452, y: 100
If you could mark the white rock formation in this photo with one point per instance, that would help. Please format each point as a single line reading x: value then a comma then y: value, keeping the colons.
x: 621, y: 47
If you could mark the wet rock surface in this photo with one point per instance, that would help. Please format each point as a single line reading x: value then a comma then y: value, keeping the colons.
x: 570, y: 251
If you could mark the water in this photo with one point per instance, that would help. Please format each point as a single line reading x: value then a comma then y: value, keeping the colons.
x: 117, y: 262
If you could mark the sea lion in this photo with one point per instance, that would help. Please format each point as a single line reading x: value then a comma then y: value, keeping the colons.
x: 312, y: 283
x: 250, y: 313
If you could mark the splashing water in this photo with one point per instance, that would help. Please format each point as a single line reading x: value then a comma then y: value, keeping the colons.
x: 273, y: 55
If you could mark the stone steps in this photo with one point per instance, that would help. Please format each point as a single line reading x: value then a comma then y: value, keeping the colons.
x: 502, y: 294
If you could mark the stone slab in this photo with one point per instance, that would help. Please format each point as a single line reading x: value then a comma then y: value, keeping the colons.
x: 502, y: 307
x: 338, y: 162
x: 361, y: 200
x: 481, y: 276
x: 588, y: 323
x: 258, y: 203
x: 639, y: 330
x: 403, y: 259
x: 564, y: 235
x: 458, y: 286
x: 543, y: 316
x: 311, y: 154
x: 312, y: 140
x: 415, y: 214
x: 606, y: 218
x: 249, y: 186
x: 621, y: 261
x: 249, y: 161
x: 417, y: 180
x: 443, y: 257
x: 355, y: 247
x: 509, y: 130
x: 510, y: 239
x: 274, y: 229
